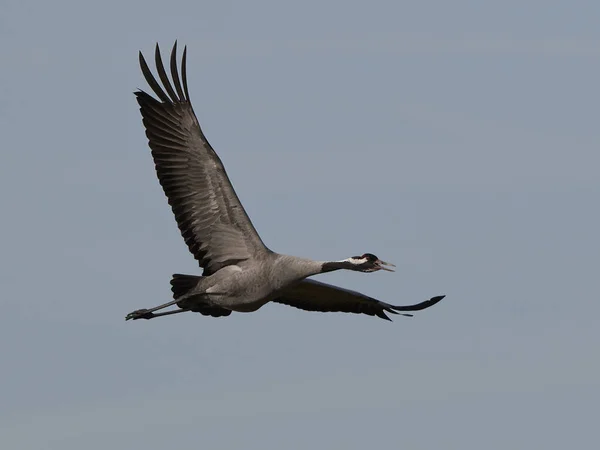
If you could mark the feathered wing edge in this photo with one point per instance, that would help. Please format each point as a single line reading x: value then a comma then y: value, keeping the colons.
x: 312, y: 295
x: 419, y: 306
x: 188, y: 168
x: 172, y: 97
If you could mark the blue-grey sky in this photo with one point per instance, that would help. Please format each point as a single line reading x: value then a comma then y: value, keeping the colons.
x: 459, y: 140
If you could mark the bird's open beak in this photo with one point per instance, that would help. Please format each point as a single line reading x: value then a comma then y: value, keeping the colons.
x: 382, y: 265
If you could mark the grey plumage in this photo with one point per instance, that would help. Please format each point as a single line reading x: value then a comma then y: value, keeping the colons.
x: 239, y: 272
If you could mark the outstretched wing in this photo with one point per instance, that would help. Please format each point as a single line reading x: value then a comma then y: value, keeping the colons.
x: 312, y: 295
x: 209, y: 214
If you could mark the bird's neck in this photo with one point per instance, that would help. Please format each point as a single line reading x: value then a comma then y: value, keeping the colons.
x: 330, y: 266
x: 303, y: 268
x: 289, y: 270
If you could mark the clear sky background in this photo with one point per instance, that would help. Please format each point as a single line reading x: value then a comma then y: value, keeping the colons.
x: 459, y: 140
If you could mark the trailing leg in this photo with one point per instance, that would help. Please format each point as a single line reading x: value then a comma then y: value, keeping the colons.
x: 148, y: 314
x: 141, y: 313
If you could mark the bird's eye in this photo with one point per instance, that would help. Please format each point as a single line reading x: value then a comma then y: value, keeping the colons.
x: 369, y: 257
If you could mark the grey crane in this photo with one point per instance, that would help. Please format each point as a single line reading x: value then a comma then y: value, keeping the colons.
x: 240, y: 272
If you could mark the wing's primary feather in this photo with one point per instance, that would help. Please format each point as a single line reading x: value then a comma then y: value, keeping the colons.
x: 314, y: 295
x: 175, y: 73
x: 209, y: 214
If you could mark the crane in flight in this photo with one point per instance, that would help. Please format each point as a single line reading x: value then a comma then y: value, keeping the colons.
x: 239, y: 272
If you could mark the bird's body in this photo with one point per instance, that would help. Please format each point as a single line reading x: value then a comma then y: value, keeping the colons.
x: 247, y: 287
x: 240, y: 273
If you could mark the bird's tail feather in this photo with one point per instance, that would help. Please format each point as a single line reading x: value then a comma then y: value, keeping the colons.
x: 182, y: 284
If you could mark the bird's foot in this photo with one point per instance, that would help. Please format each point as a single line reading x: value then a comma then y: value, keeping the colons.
x: 139, y: 314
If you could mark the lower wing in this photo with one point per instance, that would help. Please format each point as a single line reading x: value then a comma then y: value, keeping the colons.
x: 312, y: 295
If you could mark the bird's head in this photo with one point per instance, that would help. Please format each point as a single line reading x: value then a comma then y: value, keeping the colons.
x: 369, y: 263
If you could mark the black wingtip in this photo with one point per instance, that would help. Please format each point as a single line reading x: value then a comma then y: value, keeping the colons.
x: 175, y: 73
x: 162, y: 74
x: 184, y: 73
x: 433, y: 300
x: 419, y: 306
x: 152, y: 81
x: 174, y: 49
x: 391, y: 311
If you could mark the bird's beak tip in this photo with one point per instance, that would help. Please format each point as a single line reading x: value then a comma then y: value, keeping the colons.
x: 383, y: 264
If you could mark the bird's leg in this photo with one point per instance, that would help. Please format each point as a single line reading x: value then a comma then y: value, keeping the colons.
x: 143, y: 314
x: 147, y: 313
